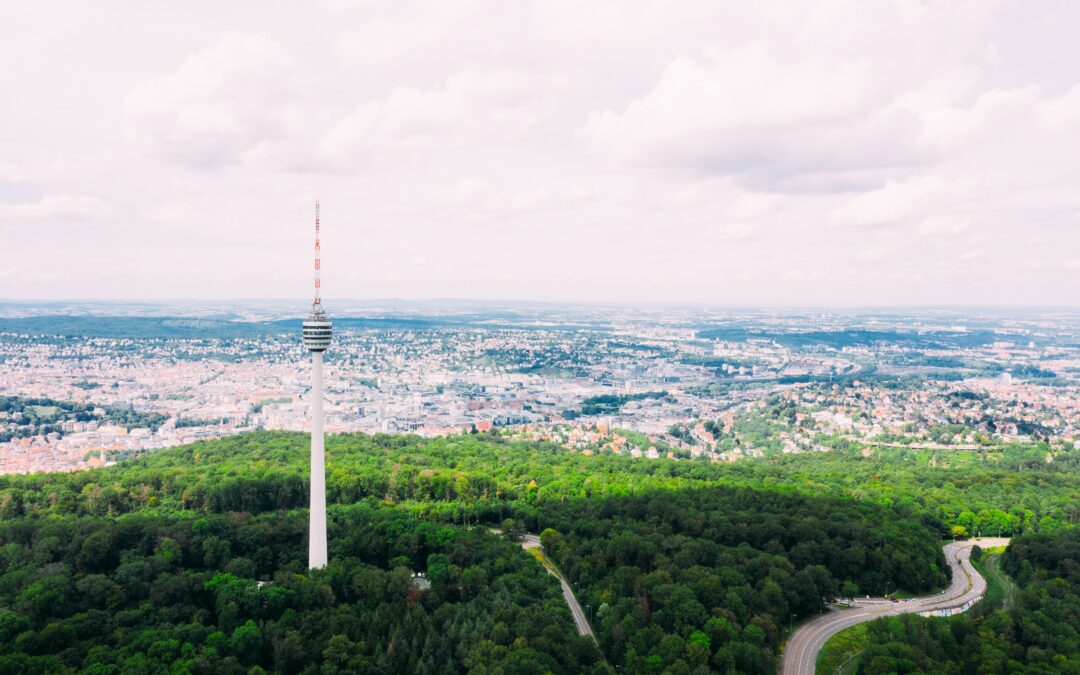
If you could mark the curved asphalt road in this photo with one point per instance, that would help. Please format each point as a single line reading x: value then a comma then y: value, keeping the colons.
x: 801, y: 651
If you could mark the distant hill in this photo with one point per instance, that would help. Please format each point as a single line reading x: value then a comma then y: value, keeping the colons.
x: 135, y: 327
x: 838, y: 339
x: 144, y: 327
x: 149, y: 327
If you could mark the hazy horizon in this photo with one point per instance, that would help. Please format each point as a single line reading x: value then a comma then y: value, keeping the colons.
x: 496, y: 303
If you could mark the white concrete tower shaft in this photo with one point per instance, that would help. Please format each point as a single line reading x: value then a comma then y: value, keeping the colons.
x: 317, y: 333
x: 317, y: 536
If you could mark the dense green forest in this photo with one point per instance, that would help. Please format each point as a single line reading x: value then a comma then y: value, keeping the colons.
x: 473, y: 478
x: 1039, y: 633
x: 710, y: 577
x: 159, y: 563
x: 217, y: 593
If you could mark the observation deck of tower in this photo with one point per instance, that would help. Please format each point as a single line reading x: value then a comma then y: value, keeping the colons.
x: 318, y: 329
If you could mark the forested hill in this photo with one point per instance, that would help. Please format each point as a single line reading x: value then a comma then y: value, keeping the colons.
x: 192, y: 559
x: 481, y: 476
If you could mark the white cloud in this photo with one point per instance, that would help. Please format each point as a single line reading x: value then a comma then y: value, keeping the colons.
x: 729, y: 231
x: 37, y: 170
x: 741, y: 153
x: 949, y: 126
x: 470, y: 106
x: 937, y: 226
x: 1061, y: 113
x: 872, y: 254
x: 480, y: 201
x: 223, y: 101
x: 749, y: 113
x: 894, y: 202
x: 58, y: 207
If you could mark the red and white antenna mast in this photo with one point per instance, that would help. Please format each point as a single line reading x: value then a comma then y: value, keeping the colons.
x: 318, y: 260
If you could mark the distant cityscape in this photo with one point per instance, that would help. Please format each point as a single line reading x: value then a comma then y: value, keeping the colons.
x: 85, y: 390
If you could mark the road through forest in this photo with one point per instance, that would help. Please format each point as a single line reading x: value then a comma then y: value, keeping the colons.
x: 801, y: 652
x: 532, y: 541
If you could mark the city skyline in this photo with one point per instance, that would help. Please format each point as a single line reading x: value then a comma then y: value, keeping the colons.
x: 141, y: 384
x: 822, y: 154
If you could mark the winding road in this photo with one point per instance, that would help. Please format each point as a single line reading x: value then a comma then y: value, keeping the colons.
x: 967, y: 587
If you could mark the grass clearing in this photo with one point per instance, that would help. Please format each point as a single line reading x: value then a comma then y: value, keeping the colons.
x: 1000, y: 590
x: 839, y: 655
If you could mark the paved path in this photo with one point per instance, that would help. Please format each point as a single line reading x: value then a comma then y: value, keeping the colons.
x: 801, y: 651
x: 532, y: 541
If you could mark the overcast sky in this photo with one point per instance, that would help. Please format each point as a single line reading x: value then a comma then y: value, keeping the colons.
x: 833, y: 153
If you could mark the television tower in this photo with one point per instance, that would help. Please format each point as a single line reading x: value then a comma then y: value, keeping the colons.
x: 317, y: 333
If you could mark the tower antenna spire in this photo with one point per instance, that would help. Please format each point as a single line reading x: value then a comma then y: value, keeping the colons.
x: 318, y: 260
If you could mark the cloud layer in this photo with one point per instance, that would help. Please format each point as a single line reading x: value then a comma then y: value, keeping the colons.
x: 831, y: 153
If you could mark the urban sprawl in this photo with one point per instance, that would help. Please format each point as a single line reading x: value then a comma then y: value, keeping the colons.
x: 679, y: 384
